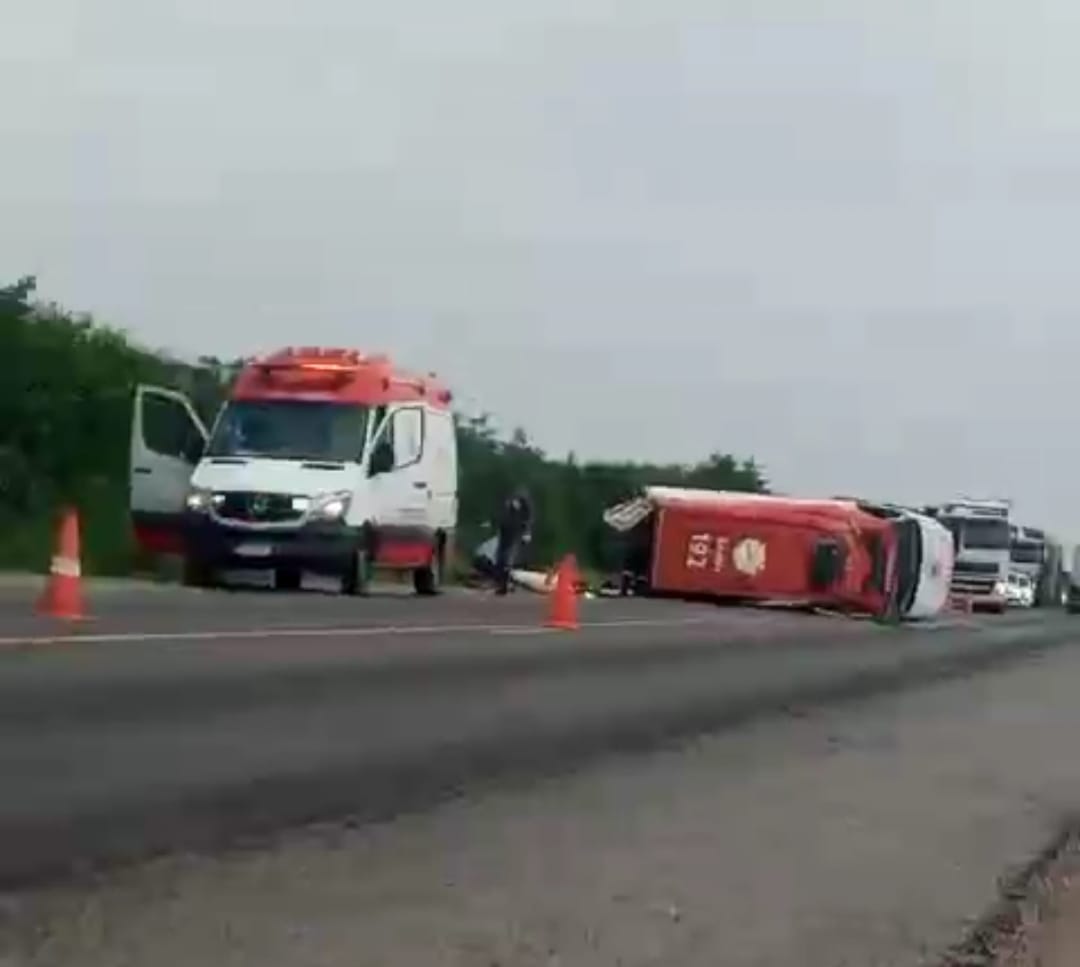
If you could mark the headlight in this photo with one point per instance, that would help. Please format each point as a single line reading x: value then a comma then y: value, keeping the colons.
x: 1000, y: 589
x: 199, y: 500
x: 330, y: 506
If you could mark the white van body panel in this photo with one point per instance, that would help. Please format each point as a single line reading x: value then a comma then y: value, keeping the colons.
x: 441, y: 447
x: 420, y: 493
x: 936, y: 573
x: 167, y: 438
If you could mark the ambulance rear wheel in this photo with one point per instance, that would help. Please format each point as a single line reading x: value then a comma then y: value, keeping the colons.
x: 428, y: 580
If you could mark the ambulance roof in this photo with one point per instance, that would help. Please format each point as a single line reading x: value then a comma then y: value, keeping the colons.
x: 336, y: 375
x: 686, y: 496
x: 628, y: 515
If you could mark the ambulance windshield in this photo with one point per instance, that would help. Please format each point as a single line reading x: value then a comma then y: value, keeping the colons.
x: 290, y: 430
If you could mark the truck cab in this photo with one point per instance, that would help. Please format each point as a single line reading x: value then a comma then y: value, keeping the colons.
x: 1050, y: 591
x: 1027, y: 551
x: 1038, y: 556
x: 320, y: 460
x: 983, y: 538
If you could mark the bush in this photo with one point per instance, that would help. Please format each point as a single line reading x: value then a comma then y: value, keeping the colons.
x: 65, y: 423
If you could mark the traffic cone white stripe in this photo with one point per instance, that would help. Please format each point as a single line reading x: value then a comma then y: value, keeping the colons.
x: 65, y: 567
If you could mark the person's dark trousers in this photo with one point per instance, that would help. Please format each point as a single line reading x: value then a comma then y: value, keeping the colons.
x: 505, y: 556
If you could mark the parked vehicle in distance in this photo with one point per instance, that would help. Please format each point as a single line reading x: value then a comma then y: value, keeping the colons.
x: 982, y: 537
x: 1072, y: 594
x: 843, y: 554
x: 1020, y: 591
x: 1034, y: 553
x: 321, y: 459
x: 1051, y: 588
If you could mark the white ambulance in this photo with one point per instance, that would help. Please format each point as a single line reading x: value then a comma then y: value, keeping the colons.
x: 321, y: 460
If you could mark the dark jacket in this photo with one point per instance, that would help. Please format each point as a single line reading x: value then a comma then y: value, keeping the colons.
x: 515, y: 519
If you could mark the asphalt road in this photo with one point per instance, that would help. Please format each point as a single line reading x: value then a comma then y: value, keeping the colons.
x: 175, y: 719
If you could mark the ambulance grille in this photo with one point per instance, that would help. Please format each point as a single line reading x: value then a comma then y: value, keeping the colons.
x: 258, y: 508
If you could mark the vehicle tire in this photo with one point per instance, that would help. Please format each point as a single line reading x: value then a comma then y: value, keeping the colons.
x: 356, y: 581
x: 288, y: 579
x: 196, y: 573
x: 428, y: 580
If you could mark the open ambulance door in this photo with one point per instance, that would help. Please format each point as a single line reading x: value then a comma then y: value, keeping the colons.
x: 167, y: 441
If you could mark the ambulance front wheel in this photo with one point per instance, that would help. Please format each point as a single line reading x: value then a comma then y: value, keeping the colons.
x: 196, y: 573
x: 288, y: 579
x: 356, y: 581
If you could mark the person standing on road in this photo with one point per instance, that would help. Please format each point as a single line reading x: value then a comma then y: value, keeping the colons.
x: 514, y: 529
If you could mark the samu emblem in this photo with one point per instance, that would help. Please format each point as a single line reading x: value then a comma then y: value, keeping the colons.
x: 749, y: 556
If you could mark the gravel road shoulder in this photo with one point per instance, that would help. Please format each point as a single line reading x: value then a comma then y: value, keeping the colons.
x: 1036, y: 922
x: 1054, y: 940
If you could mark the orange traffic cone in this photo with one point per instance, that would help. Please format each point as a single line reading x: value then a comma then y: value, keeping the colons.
x: 63, y: 597
x: 564, y: 605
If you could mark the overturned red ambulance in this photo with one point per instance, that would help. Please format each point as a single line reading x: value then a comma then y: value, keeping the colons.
x: 844, y: 554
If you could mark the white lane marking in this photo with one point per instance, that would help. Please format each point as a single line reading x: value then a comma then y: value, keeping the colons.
x: 366, y: 631
x: 521, y: 632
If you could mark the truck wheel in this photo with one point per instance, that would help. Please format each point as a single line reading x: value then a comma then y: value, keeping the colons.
x: 356, y: 581
x: 428, y: 580
x: 288, y: 579
x: 196, y: 573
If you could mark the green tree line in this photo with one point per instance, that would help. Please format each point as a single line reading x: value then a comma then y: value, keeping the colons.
x: 65, y: 420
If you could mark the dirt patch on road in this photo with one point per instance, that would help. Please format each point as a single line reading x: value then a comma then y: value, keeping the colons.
x: 1037, y: 921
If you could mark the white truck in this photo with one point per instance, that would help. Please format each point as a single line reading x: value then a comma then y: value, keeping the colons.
x: 1033, y: 553
x: 982, y: 536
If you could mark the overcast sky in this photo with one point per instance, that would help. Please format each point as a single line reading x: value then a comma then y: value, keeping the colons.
x: 838, y: 236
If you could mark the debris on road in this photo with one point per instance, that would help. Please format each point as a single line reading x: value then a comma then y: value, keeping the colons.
x: 529, y: 579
